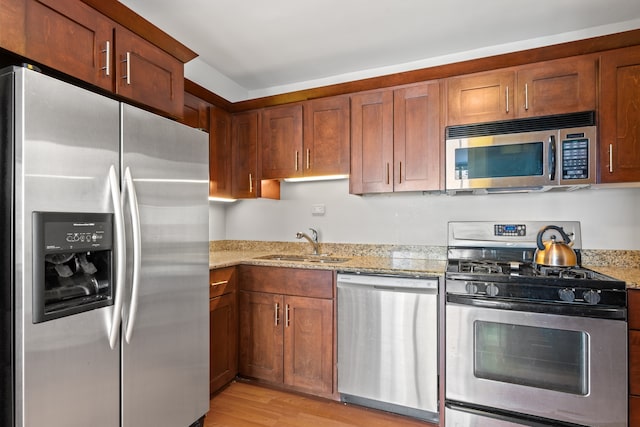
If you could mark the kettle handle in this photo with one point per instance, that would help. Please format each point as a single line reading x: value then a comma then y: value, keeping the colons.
x: 564, y: 235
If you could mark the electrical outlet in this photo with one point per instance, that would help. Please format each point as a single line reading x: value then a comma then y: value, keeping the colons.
x: 317, y: 210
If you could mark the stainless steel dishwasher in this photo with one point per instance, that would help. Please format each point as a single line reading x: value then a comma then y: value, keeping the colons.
x: 388, y: 343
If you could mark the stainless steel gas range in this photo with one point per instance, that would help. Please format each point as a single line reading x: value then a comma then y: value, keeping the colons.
x: 531, y: 344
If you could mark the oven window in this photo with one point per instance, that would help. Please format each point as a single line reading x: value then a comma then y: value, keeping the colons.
x: 551, y: 359
x: 499, y: 161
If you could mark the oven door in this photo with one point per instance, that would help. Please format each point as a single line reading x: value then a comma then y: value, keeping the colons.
x: 558, y: 367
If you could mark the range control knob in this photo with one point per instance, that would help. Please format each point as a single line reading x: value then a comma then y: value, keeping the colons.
x: 567, y: 295
x: 492, y: 290
x: 471, y: 288
x: 592, y: 297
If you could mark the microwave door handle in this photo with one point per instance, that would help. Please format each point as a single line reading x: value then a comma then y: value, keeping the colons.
x: 552, y: 158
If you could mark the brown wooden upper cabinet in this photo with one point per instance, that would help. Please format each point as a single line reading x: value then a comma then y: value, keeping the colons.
x: 281, y: 141
x: 396, y: 140
x: 620, y: 115
x: 554, y: 87
x: 72, y: 37
x: 244, y: 155
x: 220, y: 162
x: 326, y: 136
x: 196, y: 112
x: 306, y: 139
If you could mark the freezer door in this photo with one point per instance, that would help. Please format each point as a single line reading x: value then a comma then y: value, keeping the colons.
x: 165, y: 366
x: 66, y: 140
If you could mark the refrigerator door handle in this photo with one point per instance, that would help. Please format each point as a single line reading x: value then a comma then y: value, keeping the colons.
x: 120, y: 257
x: 130, y: 190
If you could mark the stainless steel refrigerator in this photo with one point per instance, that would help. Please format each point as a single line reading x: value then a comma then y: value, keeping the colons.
x: 104, y: 239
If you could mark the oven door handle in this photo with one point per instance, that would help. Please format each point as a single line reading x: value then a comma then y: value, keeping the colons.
x: 599, y: 312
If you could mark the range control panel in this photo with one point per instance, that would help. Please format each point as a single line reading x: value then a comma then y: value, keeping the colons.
x: 510, y: 230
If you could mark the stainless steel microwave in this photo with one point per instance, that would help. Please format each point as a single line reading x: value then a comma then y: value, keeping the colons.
x: 536, y: 154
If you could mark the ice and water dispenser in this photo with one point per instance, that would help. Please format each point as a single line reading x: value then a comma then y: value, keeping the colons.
x: 72, y: 263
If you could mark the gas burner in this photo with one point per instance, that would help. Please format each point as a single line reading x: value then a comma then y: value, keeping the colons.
x: 485, y: 267
x: 563, y: 272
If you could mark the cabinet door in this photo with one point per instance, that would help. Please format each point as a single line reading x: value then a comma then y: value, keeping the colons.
x: 261, y: 335
x: 326, y: 136
x: 13, y: 34
x: 223, y: 344
x: 281, y: 142
x: 147, y: 74
x: 634, y: 411
x: 417, y: 138
x: 557, y: 87
x: 634, y: 362
x: 371, y: 143
x: 71, y: 37
x: 196, y: 112
x: 308, y: 341
x: 244, y: 155
x: 620, y: 115
x: 482, y: 97
x: 219, y: 153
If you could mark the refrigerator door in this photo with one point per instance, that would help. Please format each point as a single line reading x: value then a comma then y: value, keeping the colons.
x: 165, y: 364
x: 66, y: 140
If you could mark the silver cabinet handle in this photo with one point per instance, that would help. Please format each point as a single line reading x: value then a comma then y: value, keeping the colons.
x: 120, y: 258
x: 222, y: 282
x: 286, y: 316
x: 250, y: 183
x: 506, y: 92
x: 610, y: 158
x: 526, y: 97
x: 130, y: 190
x: 127, y: 59
x: 308, y: 158
x: 107, y: 58
x: 296, y: 161
x: 277, y: 314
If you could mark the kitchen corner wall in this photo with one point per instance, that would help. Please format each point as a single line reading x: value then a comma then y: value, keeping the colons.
x: 610, y: 218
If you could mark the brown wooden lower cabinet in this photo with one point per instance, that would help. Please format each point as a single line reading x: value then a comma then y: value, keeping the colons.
x: 633, y: 307
x: 286, y: 337
x: 223, y: 324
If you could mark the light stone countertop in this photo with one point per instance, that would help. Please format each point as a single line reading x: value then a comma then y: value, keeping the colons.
x: 365, y: 264
x: 393, y: 259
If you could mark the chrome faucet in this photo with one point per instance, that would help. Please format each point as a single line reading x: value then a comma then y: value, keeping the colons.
x: 313, y: 240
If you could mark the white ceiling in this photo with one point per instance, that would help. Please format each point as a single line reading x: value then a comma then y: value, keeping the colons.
x: 254, y: 48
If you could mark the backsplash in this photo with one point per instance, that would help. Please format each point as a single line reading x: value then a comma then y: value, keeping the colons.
x: 337, y: 249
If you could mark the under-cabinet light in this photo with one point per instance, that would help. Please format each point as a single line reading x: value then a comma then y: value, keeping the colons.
x: 316, y: 178
x: 221, y: 199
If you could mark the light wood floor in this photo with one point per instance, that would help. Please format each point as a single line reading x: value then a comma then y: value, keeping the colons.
x: 244, y: 405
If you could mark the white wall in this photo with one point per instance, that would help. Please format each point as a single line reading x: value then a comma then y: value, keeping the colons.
x: 610, y: 218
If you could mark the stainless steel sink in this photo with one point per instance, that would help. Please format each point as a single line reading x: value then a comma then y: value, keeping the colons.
x: 304, y: 258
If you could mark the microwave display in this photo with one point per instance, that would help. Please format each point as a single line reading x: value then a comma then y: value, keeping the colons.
x: 500, y: 161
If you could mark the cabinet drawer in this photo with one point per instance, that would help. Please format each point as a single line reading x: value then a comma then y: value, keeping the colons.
x: 288, y: 281
x: 222, y: 281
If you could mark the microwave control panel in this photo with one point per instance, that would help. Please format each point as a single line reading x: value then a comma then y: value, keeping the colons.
x: 575, y: 157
